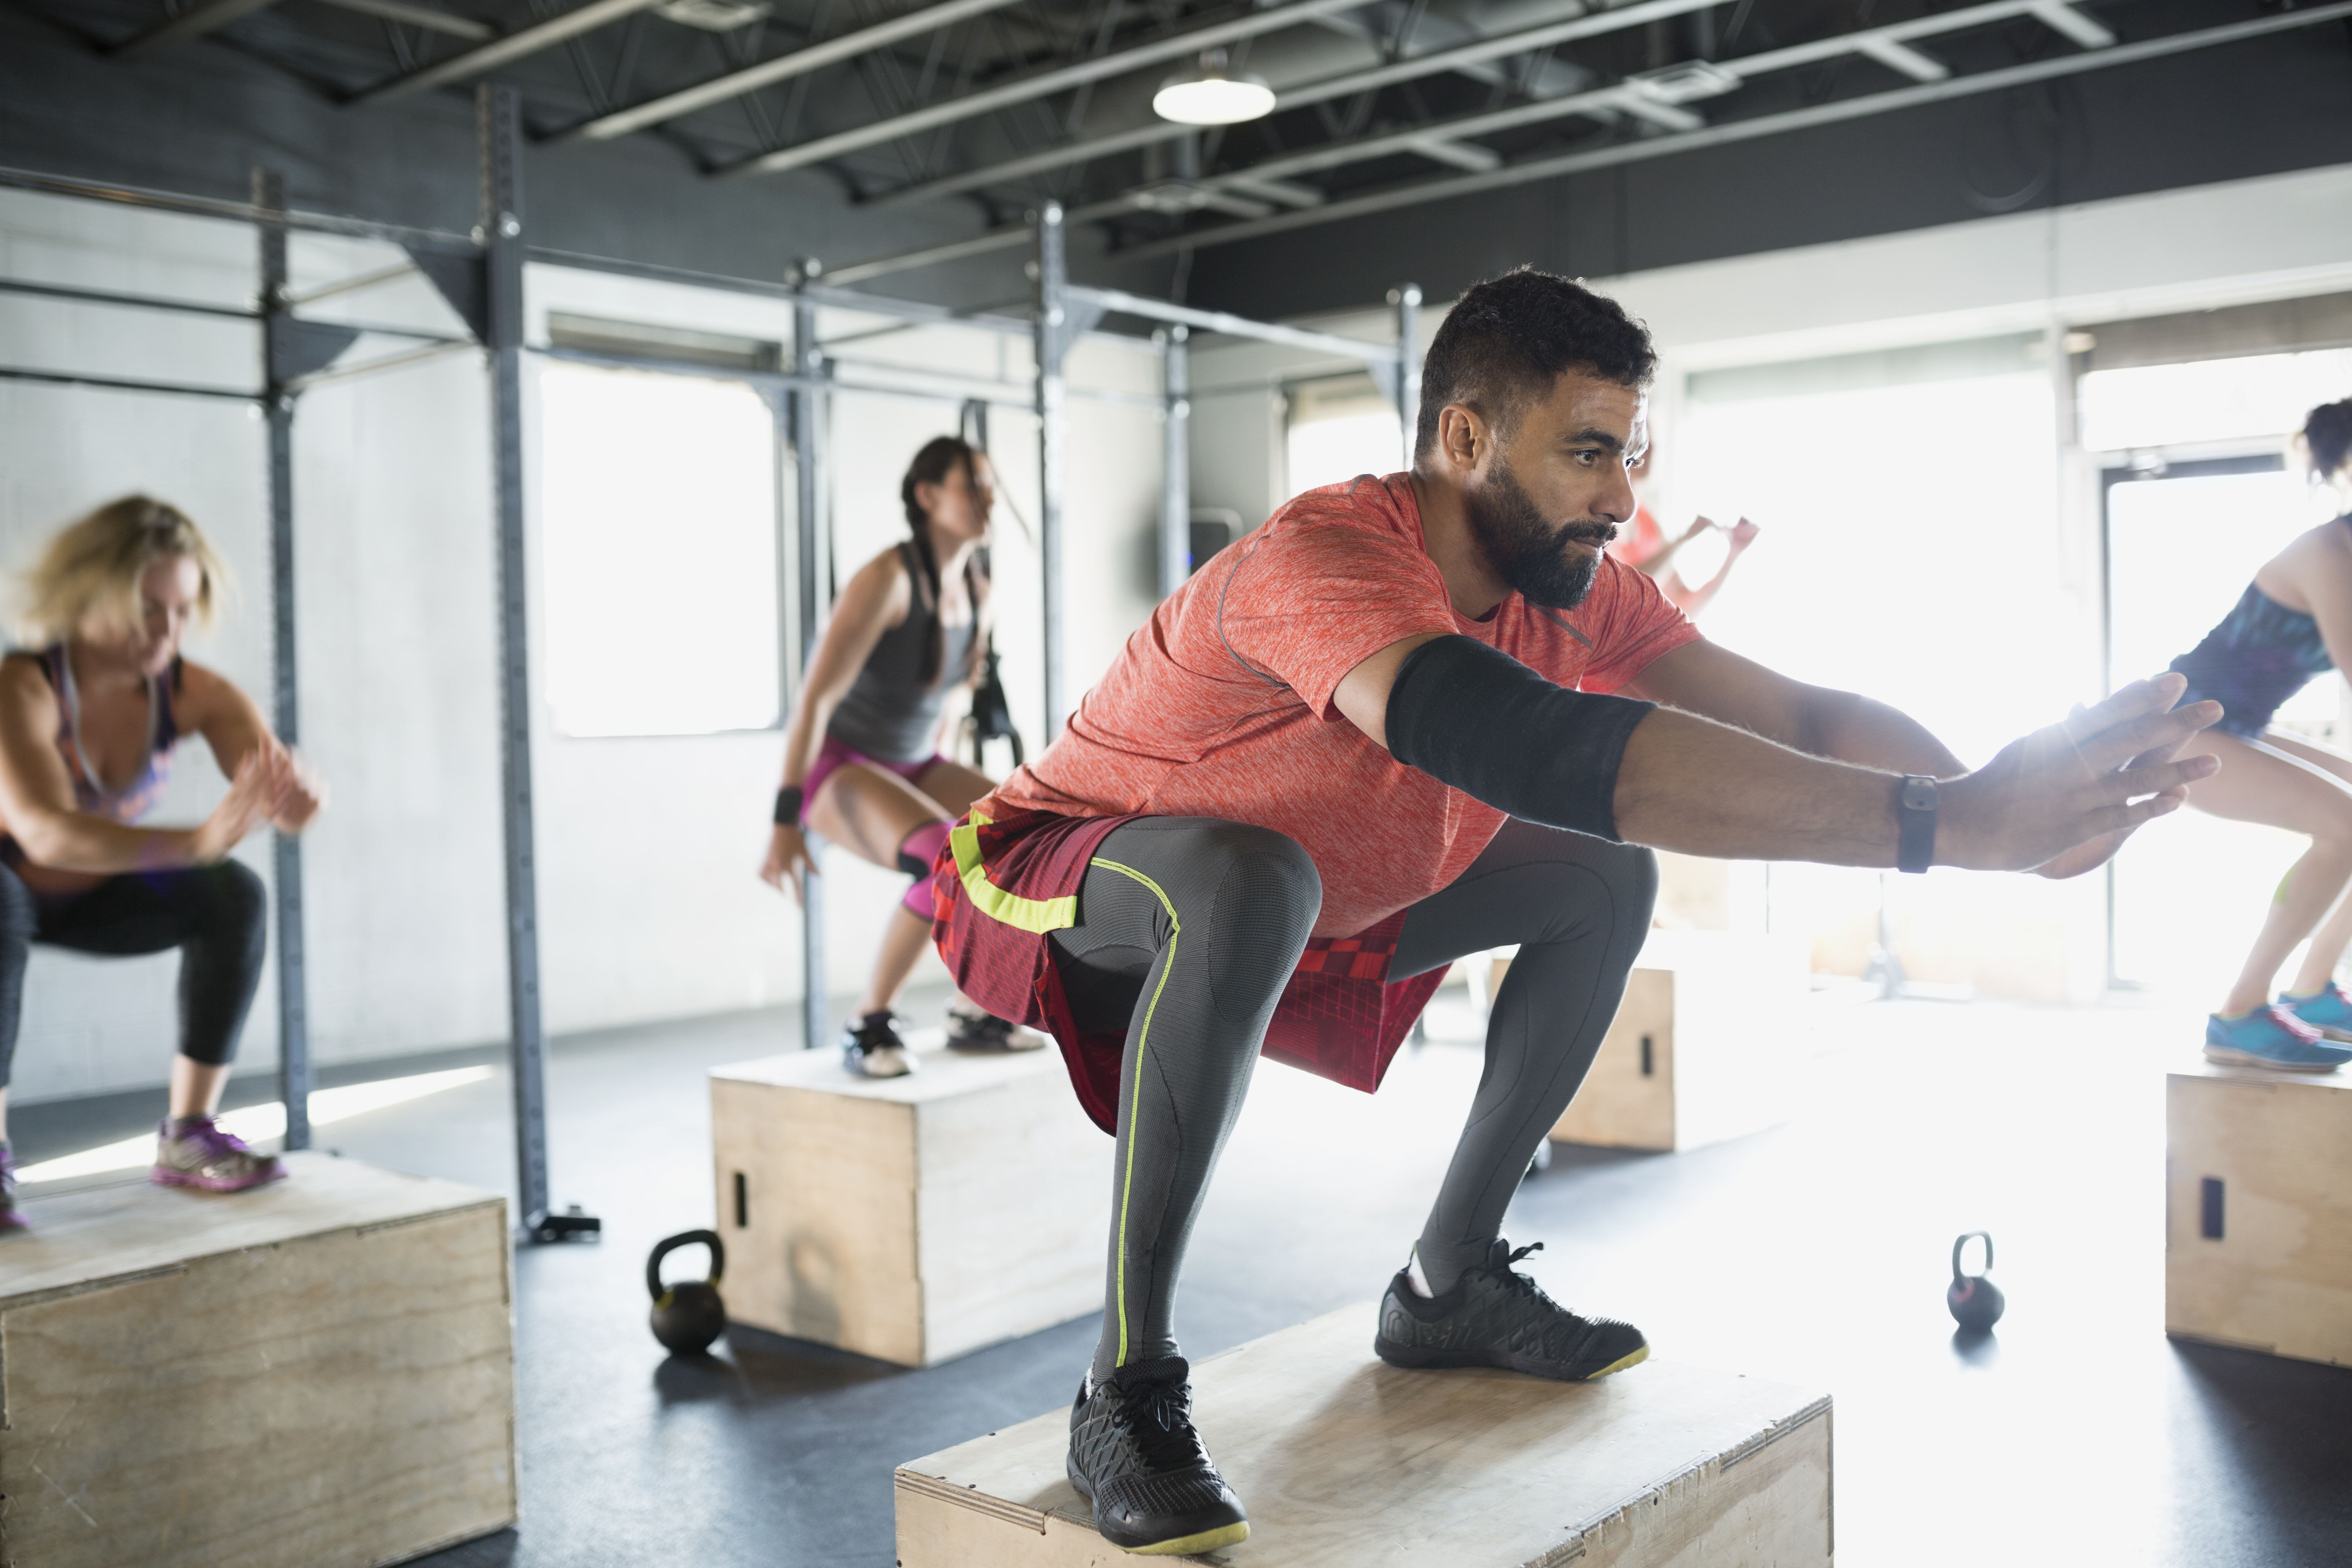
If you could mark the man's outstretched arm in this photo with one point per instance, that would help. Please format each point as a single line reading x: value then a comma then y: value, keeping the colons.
x: 1707, y: 678
x: 1678, y: 781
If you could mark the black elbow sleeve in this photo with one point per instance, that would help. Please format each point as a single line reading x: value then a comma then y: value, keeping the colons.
x: 1477, y: 719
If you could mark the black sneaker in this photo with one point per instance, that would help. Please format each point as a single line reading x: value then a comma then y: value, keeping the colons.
x: 971, y: 1028
x: 1495, y: 1316
x: 1135, y: 1455
x: 871, y: 1049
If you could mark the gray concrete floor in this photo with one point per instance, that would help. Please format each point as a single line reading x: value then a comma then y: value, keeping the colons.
x: 1815, y: 1253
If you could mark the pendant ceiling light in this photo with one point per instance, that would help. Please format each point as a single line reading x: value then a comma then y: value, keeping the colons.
x: 1209, y: 94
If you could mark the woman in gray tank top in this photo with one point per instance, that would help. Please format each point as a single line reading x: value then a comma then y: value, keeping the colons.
x: 862, y: 764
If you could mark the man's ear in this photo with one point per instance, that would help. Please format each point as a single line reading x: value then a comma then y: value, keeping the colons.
x: 1462, y: 437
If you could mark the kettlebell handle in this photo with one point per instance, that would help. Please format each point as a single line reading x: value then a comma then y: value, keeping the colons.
x: 668, y: 1245
x: 1957, y: 1247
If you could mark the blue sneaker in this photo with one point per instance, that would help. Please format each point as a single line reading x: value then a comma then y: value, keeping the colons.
x: 2327, y: 1010
x: 2271, y: 1037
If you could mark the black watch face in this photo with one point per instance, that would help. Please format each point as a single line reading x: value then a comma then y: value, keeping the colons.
x: 1918, y: 795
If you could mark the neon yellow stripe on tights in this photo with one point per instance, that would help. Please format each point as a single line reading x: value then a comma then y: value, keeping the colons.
x: 1142, y: 1043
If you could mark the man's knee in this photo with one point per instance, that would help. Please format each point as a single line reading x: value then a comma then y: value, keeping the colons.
x: 1267, y: 897
x: 1580, y: 879
x: 20, y: 915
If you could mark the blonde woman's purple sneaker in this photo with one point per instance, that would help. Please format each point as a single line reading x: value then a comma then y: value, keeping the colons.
x: 2327, y: 1010
x: 195, y: 1153
x: 11, y: 1220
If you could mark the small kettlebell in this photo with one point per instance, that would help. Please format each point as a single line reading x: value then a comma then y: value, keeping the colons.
x: 1975, y: 1301
x: 688, y: 1316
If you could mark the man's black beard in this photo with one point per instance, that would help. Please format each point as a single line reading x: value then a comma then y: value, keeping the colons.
x: 1527, y: 552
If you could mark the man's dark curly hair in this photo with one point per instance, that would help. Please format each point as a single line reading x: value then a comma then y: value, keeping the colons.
x: 1510, y: 338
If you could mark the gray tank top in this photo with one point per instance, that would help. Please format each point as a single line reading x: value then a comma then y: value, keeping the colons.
x: 890, y: 714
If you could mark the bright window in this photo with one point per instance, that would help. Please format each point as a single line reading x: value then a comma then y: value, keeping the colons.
x: 658, y: 513
x: 1338, y: 429
x: 2262, y: 397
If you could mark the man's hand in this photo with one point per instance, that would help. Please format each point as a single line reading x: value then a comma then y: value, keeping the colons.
x: 2062, y: 800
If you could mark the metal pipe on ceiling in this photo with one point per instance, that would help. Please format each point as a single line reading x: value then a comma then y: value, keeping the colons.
x: 1866, y: 107
x: 1040, y: 85
x: 783, y: 68
x: 193, y: 22
x: 504, y: 51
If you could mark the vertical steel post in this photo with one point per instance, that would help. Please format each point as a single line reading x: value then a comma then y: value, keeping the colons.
x: 808, y: 367
x: 1406, y: 298
x: 285, y: 849
x: 1176, y: 478
x: 500, y: 116
x: 1053, y: 435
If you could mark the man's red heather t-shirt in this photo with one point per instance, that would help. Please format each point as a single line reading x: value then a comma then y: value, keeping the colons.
x: 1220, y: 705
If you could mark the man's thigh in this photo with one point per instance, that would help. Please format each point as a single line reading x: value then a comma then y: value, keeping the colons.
x: 1532, y: 884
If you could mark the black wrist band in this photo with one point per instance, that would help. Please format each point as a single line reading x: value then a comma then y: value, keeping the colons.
x: 1915, y: 810
x: 788, y: 806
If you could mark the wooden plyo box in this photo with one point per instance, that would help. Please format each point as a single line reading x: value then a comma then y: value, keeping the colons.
x: 912, y: 1218
x: 1344, y: 1462
x: 1707, y: 1044
x: 314, y: 1374
x: 2258, y: 1211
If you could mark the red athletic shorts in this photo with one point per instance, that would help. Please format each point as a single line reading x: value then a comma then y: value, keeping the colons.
x: 1001, y: 887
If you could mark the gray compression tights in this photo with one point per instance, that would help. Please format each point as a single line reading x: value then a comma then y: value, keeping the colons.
x: 1191, y: 927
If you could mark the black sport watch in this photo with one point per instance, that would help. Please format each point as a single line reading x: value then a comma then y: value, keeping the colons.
x: 1916, y: 810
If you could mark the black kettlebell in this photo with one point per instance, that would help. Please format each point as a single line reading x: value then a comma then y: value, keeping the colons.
x: 690, y: 1315
x: 1975, y: 1301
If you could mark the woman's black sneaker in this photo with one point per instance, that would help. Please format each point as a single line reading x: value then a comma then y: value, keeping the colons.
x: 871, y: 1049
x: 1135, y: 1455
x: 1495, y: 1316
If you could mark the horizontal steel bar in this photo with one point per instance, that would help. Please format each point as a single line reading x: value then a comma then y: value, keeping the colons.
x: 831, y: 297
x: 434, y: 349
x: 208, y: 17
x: 128, y: 302
x: 235, y: 212
x: 418, y: 16
x: 516, y: 46
x: 1018, y: 395
x: 1234, y: 326
x: 352, y: 285
x: 783, y: 68
x: 122, y: 384
x: 1865, y: 107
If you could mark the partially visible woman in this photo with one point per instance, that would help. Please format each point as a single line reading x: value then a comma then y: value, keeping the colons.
x: 2293, y: 622
x: 89, y: 718
x: 862, y: 764
x: 1643, y: 545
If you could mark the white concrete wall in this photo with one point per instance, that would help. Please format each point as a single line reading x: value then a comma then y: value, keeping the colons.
x: 647, y: 849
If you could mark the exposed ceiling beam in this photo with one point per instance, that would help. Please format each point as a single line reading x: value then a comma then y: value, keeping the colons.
x: 2085, y: 30
x: 504, y: 51
x: 1459, y: 130
x: 1456, y: 57
x: 207, y: 17
x: 1040, y: 85
x: 1899, y: 56
x: 1862, y: 107
x: 419, y: 16
x: 783, y: 68
x: 1031, y: 163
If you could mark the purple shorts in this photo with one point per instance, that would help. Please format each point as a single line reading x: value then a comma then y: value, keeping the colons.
x: 834, y: 755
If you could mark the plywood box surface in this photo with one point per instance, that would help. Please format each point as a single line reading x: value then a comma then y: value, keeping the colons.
x: 1707, y: 1044
x: 2258, y: 1211
x: 1344, y: 1462
x: 314, y: 1374
x: 912, y: 1219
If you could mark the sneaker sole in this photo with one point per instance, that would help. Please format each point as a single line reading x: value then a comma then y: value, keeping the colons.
x: 2228, y: 1058
x: 163, y: 1178
x: 1420, y: 1360
x: 1200, y: 1540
